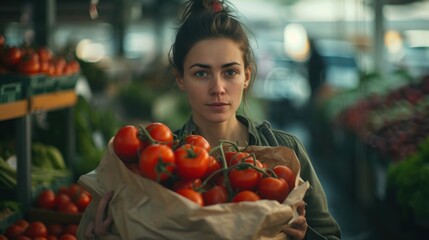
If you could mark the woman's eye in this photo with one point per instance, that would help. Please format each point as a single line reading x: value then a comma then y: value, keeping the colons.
x: 200, y: 74
x: 231, y: 73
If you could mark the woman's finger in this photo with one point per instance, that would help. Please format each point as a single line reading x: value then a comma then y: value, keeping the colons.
x: 102, y: 223
x: 297, y: 229
x: 300, y: 208
x: 89, y: 231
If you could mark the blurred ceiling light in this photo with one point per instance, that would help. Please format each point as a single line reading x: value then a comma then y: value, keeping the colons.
x: 296, y: 42
x: 90, y: 51
x: 393, y: 41
x: 417, y: 38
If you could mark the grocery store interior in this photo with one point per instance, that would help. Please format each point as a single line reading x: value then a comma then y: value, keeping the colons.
x: 349, y: 78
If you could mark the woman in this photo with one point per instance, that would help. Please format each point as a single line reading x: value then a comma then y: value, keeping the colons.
x: 214, y: 65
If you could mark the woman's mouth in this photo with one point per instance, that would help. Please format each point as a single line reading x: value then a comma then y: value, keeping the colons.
x: 218, y: 105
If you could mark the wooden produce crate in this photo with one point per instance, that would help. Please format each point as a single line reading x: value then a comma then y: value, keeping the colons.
x: 49, y: 216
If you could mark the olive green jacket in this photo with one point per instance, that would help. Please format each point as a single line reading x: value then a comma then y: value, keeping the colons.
x: 321, y: 224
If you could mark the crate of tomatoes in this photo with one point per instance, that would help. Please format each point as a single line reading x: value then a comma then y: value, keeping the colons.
x: 163, y: 187
x: 27, y: 71
x: 26, y: 229
x: 64, y: 205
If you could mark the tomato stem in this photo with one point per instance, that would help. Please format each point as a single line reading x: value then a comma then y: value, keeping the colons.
x: 145, y: 135
x: 225, y: 167
x: 249, y: 165
x: 160, y: 168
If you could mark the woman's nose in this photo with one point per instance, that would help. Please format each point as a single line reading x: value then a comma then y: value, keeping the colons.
x: 217, y: 87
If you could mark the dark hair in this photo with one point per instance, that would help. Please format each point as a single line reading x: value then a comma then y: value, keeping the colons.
x: 203, y: 19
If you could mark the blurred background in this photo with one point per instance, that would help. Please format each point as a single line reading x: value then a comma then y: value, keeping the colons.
x: 350, y: 78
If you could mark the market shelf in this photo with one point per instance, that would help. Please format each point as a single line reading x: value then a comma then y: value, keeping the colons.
x: 22, y: 110
x: 13, y: 109
x: 51, y: 101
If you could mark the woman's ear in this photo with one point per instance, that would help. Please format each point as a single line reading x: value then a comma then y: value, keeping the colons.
x: 179, y: 81
x: 248, y: 75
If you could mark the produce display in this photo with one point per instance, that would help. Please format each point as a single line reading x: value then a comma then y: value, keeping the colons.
x: 23, y: 230
x: 394, y: 123
x: 71, y: 199
x: 30, y: 70
x: 27, y: 60
x: 48, y: 166
x: 193, y: 169
x: 55, y: 214
x: 390, y: 116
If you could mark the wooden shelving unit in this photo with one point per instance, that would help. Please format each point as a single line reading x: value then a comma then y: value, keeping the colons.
x: 13, y: 110
x: 21, y: 111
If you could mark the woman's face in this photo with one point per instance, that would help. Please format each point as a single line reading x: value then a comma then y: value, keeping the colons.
x: 214, y: 78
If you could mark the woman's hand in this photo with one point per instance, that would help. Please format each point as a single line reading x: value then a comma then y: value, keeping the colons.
x: 101, y: 224
x: 298, y: 228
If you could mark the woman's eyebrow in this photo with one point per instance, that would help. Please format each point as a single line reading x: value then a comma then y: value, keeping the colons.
x: 208, y: 66
x: 199, y: 65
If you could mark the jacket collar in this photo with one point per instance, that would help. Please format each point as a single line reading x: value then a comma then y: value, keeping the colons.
x: 190, y: 128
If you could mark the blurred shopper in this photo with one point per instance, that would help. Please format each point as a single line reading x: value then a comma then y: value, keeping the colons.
x: 316, y: 78
x: 320, y: 138
x: 214, y: 65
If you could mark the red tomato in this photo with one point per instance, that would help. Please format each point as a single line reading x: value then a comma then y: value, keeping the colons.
x: 29, y: 64
x: 44, y: 67
x: 74, y: 190
x: 186, y: 183
x: 36, y: 229
x: 157, y: 162
x: 273, y: 189
x: 61, y: 200
x: 233, y: 158
x: 39, y: 238
x: 23, y: 223
x: 212, y: 166
x: 82, y: 201
x: 46, y: 199
x: 45, y: 54
x: 246, y: 196
x: 160, y: 133
x: 11, y: 56
x: 70, y: 229
x: 55, y: 229
x: 67, y: 237
x: 71, y: 67
x: 127, y: 144
x: 51, y: 237
x: 217, y: 194
x: 198, y: 140
x: 51, y: 71
x: 3, y: 237
x: 59, y: 63
x: 13, y: 231
x: 287, y: 174
x: 69, y: 207
x: 191, y: 195
x: 191, y: 161
x: 244, y: 178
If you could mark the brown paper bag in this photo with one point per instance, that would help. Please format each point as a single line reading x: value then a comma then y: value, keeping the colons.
x: 143, y: 209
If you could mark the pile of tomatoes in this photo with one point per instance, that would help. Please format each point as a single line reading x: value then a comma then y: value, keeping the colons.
x: 26, y: 230
x: 71, y: 199
x: 35, y: 60
x: 192, y: 168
